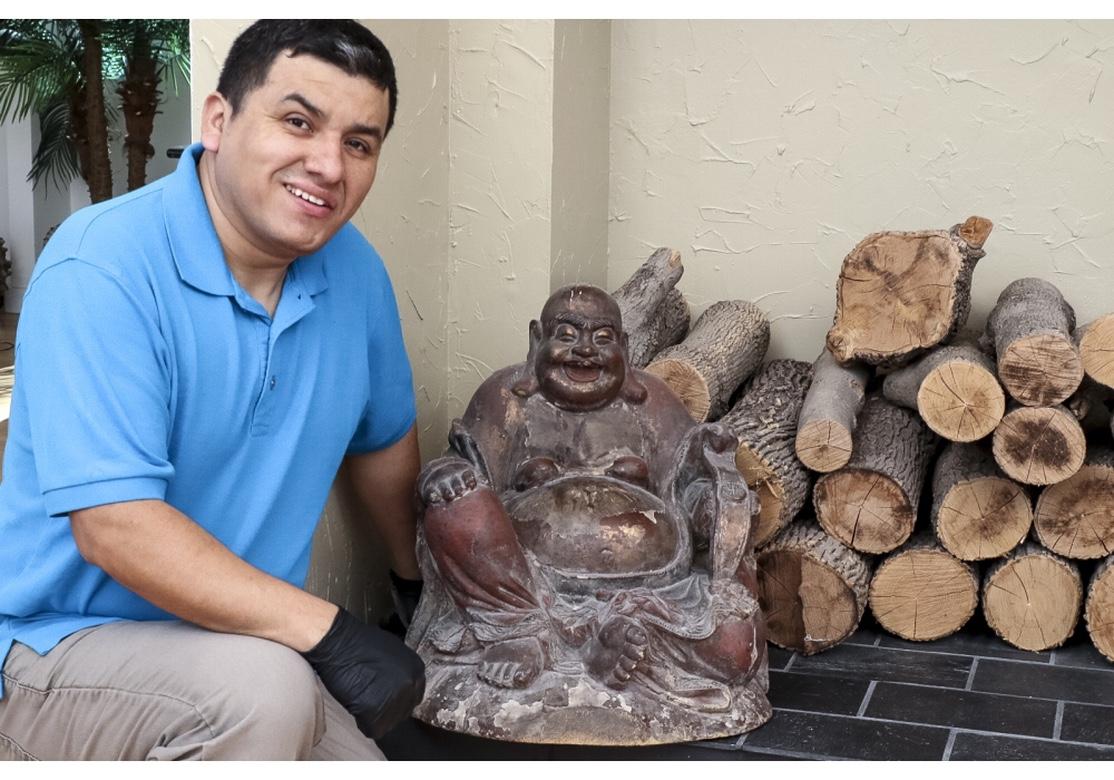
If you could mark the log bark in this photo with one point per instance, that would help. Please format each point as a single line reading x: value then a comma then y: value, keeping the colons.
x: 922, y: 592
x: 812, y: 589
x: 1091, y: 405
x: 669, y: 326
x: 1039, y: 445
x: 955, y: 391
x: 765, y: 420
x: 1099, y: 612
x: 977, y: 511
x: 1030, y: 330
x: 827, y: 419
x: 641, y: 299
x: 1031, y: 598
x: 1095, y: 341
x: 900, y: 293
x: 726, y: 345
x: 1075, y: 518
x: 871, y: 503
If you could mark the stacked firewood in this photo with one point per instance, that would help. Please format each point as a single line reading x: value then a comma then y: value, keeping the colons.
x: 922, y: 446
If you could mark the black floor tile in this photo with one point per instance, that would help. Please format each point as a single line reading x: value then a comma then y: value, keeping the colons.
x: 816, y: 693
x: 1081, y: 653
x: 879, y: 663
x: 686, y: 752
x: 986, y: 747
x: 980, y: 641
x: 778, y: 657
x: 1089, y: 686
x: 1087, y: 723
x: 836, y: 736
x: 963, y: 709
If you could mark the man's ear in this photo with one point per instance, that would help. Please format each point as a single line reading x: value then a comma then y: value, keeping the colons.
x: 215, y: 113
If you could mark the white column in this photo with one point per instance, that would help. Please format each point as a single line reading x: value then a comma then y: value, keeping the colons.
x: 20, y: 233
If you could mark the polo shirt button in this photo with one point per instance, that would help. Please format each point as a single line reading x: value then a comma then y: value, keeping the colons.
x: 274, y: 381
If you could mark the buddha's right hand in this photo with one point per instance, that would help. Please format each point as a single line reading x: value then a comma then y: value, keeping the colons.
x: 447, y: 479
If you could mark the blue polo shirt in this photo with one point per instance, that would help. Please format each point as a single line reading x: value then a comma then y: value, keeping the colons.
x: 144, y: 371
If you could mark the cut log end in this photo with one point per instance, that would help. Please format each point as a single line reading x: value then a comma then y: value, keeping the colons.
x: 1041, y: 370
x: 983, y: 518
x: 975, y: 231
x: 923, y: 594
x: 1075, y: 518
x: 1039, y: 445
x: 824, y: 445
x: 808, y: 606
x: 1099, y: 613
x: 1096, y: 349
x: 865, y: 510
x: 1032, y: 601
x: 764, y: 480
x: 961, y: 401
x: 687, y: 383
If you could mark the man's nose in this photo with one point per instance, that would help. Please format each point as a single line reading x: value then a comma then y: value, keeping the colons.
x: 325, y: 159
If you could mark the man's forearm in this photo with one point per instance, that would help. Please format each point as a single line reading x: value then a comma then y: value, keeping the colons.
x: 163, y: 556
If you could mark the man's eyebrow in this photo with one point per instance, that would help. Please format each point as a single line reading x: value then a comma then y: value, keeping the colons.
x: 359, y: 128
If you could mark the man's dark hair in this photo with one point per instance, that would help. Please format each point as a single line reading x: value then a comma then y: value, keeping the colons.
x: 341, y: 42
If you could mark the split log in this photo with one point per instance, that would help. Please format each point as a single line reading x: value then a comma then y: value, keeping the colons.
x: 922, y: 592
x: 812, y: 589
x: 1075, y: 518
x: 871, y: 503
x: 955, y: 391
x: 724, y: 347
x: 1031, y: 598
x: 977, y: 511
x: 1039, y: 445
x: 827, y: 418
x: 1030, y: 329
x: 1095, y: 341
x: 641, y: 300
x: 1099, y: 612
x: 765, y: 420
x: 901, y: 293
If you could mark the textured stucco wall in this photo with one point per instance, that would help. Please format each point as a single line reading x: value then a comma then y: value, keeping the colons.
x: 765, y: 150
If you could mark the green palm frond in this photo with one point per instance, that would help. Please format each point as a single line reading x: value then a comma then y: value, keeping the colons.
x: 38, y: 61
x: 55, y: 159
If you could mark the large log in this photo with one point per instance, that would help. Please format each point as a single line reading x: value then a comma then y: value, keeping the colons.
x: 954, y: 389
x: 812, y: 589
x: 1095, y: 341
x: 1039, y: 445
x: 669, y: 326
x: 922, y: 592
x: 1099, y: 612
x: 900, y: 293
x: 871, y: 503
x: 1030, y: 330
x: 827, y: 419
x: 765, y: 420
x: 977, y: 511
x: 725, y: 346
x: 1075, y: 518
x: 1031, y: 598
x: 641, y: 298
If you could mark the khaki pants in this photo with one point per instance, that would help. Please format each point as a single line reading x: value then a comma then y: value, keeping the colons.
x: 170, y: 690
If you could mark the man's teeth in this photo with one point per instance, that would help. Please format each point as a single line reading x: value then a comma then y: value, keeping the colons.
x: 305, y: 196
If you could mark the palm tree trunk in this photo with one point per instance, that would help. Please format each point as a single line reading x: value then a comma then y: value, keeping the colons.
x: 139, y: 95
x: 99, y: 176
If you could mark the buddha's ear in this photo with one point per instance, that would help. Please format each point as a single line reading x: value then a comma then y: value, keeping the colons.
x: 535, y: 341
x: 526, y: 384
x: 624, y: 342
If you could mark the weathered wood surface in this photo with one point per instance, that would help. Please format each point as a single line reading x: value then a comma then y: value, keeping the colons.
x: 812, y: 589
x: 648, y: 303
x: 1032, y: 597
x: 827, y: 419
x: 1075, y: 518
x: 725, y: 346
x: 921, y: 592
x: 1095, y: 341
x: 954, y: 389
x: 1099, y: 611
x: 900, y: 293
x: 978, y: 512
x: 1039, y: 445
x: 765, y: 421
x: 1030, y: 331
x: 871, y: 503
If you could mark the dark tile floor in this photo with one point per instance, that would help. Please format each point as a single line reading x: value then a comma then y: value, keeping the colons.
x: 876, y: 697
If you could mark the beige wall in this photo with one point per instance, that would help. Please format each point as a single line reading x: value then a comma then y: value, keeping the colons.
x: 765, y: 150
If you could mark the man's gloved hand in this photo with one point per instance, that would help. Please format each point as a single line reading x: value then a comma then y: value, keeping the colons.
x: 371, y: 672
x: 405, y: 594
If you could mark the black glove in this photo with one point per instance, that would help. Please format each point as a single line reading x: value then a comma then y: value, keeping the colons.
x: 372, y: 673
x: 405, y: 594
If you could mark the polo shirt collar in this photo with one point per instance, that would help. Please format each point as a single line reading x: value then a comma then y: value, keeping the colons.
x: 197, y: 252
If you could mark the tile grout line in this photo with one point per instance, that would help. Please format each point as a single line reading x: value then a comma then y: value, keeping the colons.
x: 1059, y: 724
x: 948, y: 747
x: 789, y: 663
x: 971, y: 675
x: 866, y: 698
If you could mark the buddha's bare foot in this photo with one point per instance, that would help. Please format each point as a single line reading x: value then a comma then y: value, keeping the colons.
x: 616, y: 652
x: 512, y: 664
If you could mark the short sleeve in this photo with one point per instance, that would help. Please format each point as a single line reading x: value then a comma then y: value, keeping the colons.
x: 93, y: 366
x: 390, y: 410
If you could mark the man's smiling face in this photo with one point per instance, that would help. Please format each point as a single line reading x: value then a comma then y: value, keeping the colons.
x: 296, y: 160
